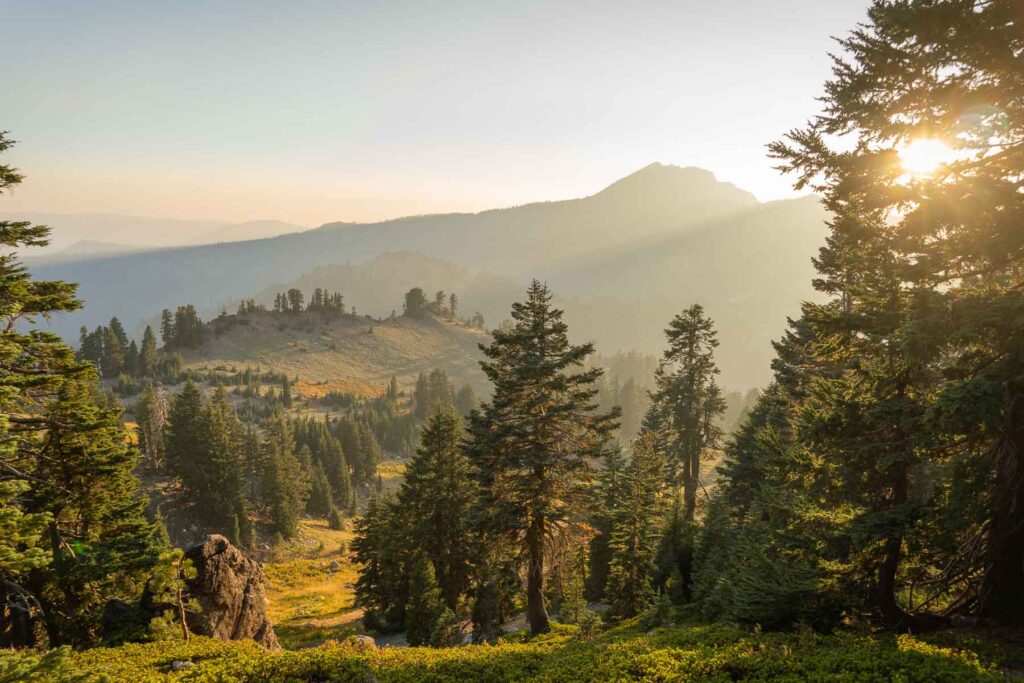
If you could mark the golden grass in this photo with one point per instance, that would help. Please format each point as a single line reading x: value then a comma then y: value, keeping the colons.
x: 307, y: 601
x: 348, y: 354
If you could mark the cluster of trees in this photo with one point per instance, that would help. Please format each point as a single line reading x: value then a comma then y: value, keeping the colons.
x: 73, y: 533
x: 226, y: 468
x: 417, y: 305
x: 882, y: 472
x: 113, y: 353
x: 513, y: 494
x: 435, y: 388
x: 293, y: 301
x: 182, y: 329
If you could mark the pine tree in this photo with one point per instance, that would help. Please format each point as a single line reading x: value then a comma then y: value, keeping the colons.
x: 151, y: 417
x: 532, y: 442
x: 919, y: 340
x: 148, y: 358
x: 321, y: 501
x: 686, y: 406
x: 380, y: 548
x: 167, y: 328
x: 607, y: 497
x: 437, y: 495
x: 634, y: 537
x: 113, y: 354
x: 285, y: 485
x: 184, y: 433
x: 425, y: 606
x: 131, y: 360
x: 67, y: 463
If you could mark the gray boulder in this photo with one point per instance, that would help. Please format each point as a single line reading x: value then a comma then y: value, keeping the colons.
x: 229, y: 589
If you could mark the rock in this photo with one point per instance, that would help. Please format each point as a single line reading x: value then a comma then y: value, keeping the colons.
x: 180, y: 665
x: 229, y: 589
x: 335, y: 566
x: 361, y: 642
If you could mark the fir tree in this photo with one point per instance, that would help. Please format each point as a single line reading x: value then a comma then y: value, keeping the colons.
x: 437, y: 495
x: 148, y: 358
x: 533, y: 441
x: 285, y: 485
x: 634, y: 537
x: 66, y: 461
x: 607, y: 497
x: 425, y: 606
x: 686, y: 406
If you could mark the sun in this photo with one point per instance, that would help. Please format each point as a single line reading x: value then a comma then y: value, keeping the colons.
x: 923, y: 157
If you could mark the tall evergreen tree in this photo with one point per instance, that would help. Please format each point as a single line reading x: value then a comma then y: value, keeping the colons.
x: 148, y: 358
x: 634, y: 536
x: 151, y: 414
x: 607, y: 498
x: 379, y: 544
x: 686, y: 406
x: 919, y: 359
x: 285, y: 485
x: 533, y: 441
x: 65, y: 462
x: 437, y: 495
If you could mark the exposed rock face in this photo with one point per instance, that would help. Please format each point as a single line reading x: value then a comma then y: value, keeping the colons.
x: 229, y: 588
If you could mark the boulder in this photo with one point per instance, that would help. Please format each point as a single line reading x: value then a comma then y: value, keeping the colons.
x: 228, y: 587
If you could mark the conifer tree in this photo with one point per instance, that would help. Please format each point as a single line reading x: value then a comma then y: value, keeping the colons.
x: 151, y: 416
x: 607, y: 497
x: 321, y: 501
x: 148, y: 358
x: 185, y: 430
x: 533, y: 441
x: 113, y: 354
x: 425, y: 606
x: 64, y: 461
x: 380, y: 548
x: 634, y: 537
x: 437, y: 495
x: 919, y: 342
x: 685, y: 408
x: 285, y: 485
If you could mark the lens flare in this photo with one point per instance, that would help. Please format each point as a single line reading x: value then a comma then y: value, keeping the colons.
x: 923, y: 157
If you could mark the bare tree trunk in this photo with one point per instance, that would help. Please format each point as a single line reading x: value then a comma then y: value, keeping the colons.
x: 536, y: 611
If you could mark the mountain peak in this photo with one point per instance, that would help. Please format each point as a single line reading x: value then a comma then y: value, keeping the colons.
x: 689, y: 183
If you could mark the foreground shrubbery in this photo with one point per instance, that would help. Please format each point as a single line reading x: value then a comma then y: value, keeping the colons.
x: 688, y: 653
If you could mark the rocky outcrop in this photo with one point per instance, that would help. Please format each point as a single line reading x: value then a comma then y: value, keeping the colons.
x: 229, y: 589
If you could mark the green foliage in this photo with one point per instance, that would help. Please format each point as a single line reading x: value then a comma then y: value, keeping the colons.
x: 658, y: 614
x: 285, y: 485
x: 532, y: 443
x: 424, y: 611
x: 634, y: 535
x: 50, y: 667
x: 689, y: 653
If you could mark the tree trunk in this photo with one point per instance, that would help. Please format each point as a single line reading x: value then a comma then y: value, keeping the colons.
x: 536, y: 611
x: 1002, y: 588
x: 894, y: 615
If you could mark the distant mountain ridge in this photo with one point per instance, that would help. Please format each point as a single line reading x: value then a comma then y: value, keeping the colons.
x: 621, y: 261
x: 143, y: 232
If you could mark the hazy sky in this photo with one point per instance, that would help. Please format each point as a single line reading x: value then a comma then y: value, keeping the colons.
x: 330, y: 110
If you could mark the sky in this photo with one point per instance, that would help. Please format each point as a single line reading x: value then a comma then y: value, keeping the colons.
x: 326, y: 110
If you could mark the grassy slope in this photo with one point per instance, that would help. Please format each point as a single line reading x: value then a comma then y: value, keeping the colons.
x: 345, y: 353
x: 684, y: 653
x: 308, y: 602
